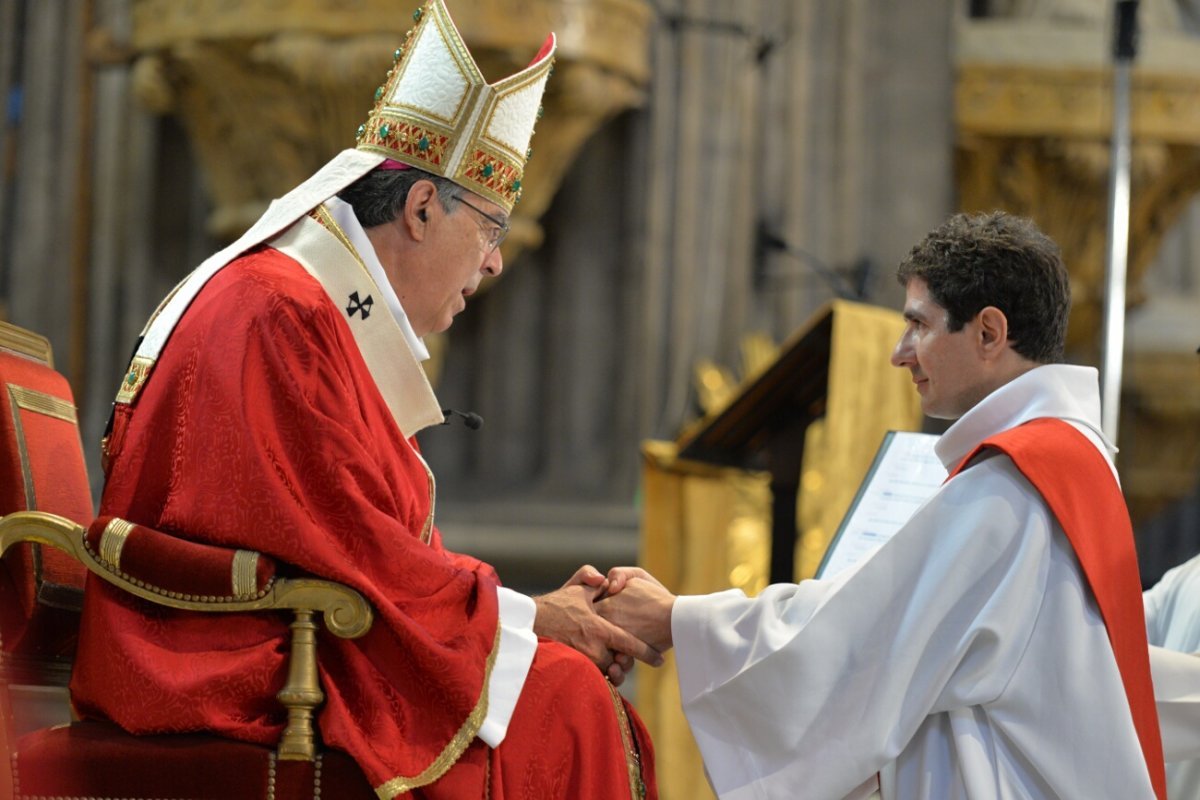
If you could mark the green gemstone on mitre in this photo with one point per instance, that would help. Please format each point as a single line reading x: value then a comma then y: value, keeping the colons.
x: 378, y: 93
x: 396, y: 55
x: 417, y: 15
x: 383, y: 131
x: 423, y: 144
x: 488, y: 170
x: 516, y: 186
x: 131, y: 378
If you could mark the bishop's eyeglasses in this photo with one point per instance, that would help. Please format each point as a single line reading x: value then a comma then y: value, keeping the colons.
x: 494, y: 235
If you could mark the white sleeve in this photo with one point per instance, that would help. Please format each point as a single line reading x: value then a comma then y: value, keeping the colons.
x: 517, y: 646
x: 825, y: 682
x: 1173, y: 608
x: 1153, y: 601
x: 1177, y: 695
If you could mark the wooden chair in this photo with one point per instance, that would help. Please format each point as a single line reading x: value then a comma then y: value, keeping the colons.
x: 49, y: 541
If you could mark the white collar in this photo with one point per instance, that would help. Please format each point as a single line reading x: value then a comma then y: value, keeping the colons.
x: 343, y: 214
x: 1063, y: 391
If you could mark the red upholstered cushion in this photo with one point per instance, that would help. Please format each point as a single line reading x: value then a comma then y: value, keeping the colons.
x: 170, y: 564
x: 41, y: 468
x: 98, y: 759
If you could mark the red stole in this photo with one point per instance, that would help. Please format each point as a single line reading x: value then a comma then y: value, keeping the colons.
x: 1078, y: 486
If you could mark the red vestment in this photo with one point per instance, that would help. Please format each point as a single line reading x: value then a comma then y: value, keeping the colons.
x: 264, y: 429
x: 1078, y: 486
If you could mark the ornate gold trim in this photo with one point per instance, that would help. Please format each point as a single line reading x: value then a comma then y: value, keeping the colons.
x: 455, y: 747
x: 42, y: 403
x: 347, y: 614
x: 633, y: 762
x: 133, y: 380
x: 26, y: 344
x: 427, y: 528
x: 245, y: 573
x: 321, y: 214
x: 22, y: 450
x: 271, y: 776
x: 112, y: 541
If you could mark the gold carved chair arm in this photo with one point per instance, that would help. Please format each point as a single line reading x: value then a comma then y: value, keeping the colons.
x: 230, y: 581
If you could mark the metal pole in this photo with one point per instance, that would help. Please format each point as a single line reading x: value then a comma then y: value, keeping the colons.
x: 1115, y: 268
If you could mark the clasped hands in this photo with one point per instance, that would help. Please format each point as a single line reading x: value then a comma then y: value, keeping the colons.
x: 612, y: 619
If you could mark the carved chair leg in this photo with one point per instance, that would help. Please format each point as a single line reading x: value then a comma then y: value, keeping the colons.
x: 302, y: 693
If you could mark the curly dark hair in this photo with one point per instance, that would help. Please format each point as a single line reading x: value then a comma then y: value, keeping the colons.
x: 972, y: 261
x: 378, y: 197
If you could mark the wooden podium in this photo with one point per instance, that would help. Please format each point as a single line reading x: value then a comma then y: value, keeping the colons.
x: 752, y: 493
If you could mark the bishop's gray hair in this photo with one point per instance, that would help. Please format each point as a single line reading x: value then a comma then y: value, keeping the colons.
x: 379, y: 196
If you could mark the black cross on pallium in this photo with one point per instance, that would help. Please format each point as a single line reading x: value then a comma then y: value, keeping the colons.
x: 357, y: 305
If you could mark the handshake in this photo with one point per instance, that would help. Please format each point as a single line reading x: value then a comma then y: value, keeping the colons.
x: 612, y: 619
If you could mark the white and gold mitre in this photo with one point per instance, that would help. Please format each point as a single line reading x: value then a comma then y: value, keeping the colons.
x: 436, y: 112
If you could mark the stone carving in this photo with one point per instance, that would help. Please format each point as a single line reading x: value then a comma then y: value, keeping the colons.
x: 1152, y: 14
x: 268, y: 90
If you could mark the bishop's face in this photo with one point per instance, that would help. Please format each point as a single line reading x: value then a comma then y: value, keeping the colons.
x: 947, y: 366
x: 459, y: 253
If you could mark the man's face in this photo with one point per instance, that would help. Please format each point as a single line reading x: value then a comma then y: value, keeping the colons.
x: 452, y: 266
x: 946, y: 366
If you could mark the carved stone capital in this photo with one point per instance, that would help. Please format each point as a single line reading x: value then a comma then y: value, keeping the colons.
x: 1034, y: 140
x: 268, y: 90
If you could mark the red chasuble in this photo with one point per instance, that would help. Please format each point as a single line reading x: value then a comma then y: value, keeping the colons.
x: 1078, y: 486
x: 263, y: 429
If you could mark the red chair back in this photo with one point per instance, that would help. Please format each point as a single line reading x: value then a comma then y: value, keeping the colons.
x: 41, y: 469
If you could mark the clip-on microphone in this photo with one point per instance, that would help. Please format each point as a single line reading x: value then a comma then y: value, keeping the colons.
x: 469, y: 418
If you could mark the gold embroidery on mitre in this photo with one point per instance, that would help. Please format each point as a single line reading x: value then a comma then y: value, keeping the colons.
x: 112, y: 541
x: 389, y: 134
x: 455, y: 747
x: 245, y: 573
x: 493, y: 175
x: 436, y: 111
x: 134, y: 379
